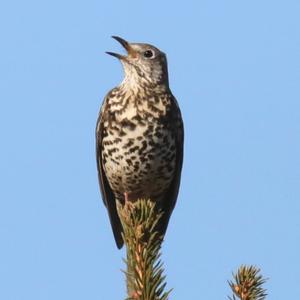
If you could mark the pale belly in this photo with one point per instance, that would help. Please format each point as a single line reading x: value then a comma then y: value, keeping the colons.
x: 141, y: 162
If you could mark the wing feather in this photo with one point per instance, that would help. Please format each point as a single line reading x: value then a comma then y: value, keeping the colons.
x: 107, y: 194
x: 172, y: 193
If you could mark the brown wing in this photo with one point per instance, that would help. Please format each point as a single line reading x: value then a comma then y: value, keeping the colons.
x: 171, y: 196
x: 107, y: 194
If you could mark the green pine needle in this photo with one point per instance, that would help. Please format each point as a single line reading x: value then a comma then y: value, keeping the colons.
x: 247, y: 284
x: 144, y: 275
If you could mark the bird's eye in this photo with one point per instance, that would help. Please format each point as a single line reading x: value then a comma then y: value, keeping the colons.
x: 149, y: 54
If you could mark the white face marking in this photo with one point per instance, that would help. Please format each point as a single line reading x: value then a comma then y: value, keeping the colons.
x: 140, y: 69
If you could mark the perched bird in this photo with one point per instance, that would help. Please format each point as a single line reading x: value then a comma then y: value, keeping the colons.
x: 139, y: 136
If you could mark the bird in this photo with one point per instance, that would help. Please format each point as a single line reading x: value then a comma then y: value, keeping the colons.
x: 139, y: 137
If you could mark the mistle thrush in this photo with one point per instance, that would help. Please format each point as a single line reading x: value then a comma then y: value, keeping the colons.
x: 139, y: 136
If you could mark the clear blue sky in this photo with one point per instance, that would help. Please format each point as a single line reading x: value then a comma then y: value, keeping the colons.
x: 234, y: 67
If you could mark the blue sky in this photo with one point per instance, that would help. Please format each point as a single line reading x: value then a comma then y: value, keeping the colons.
x: 234, y: 67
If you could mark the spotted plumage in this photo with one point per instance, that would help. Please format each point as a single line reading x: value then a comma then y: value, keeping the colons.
x: 139, y: 136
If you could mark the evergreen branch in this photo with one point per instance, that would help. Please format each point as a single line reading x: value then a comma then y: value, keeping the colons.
x: 144, y: 275
x: 247, y: 284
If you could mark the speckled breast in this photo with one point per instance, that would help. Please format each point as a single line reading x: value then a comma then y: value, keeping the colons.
x: 138, y: 154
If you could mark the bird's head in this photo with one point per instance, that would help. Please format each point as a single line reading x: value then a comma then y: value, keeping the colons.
x: 144, y: 64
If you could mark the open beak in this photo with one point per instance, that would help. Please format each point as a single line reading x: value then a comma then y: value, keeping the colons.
x: 126, y: 46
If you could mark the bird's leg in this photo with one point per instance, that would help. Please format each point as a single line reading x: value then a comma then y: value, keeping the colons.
x: 127, y: 203
x: 126, y: 197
